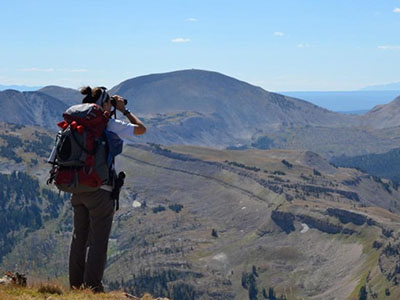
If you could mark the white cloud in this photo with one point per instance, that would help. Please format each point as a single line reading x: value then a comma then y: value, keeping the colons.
x: 74, y: 70
x: 278, y: 33
x: 396, y: 10
x: 47, y: 70
x: 180, y: 40
x: 37, y: 70
x: 191, y: 20
x: 389, y: 47
x: 303, y: 45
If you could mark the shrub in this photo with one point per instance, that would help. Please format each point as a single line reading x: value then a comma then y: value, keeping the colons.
x: 158, y: 209
x: 176, y: 207
x: 287, y: 164
x: 50, y: 289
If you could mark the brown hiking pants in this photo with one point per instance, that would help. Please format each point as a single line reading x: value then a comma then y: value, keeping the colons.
x: 93, y: 215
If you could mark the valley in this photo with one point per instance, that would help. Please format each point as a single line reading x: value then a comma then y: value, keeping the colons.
x: 224, y: 224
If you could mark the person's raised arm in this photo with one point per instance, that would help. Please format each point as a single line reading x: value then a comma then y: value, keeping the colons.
x: 120, y: 105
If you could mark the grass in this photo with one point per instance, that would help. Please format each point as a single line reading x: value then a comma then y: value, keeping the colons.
x: 55, y: 291
x: 370, y: 266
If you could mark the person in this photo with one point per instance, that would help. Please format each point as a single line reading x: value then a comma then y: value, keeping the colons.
x: 94, y: 211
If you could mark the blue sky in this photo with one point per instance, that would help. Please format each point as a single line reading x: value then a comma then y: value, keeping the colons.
x: 283, y: 45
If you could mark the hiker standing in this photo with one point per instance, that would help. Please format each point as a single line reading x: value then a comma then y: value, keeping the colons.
x: 93, y: 211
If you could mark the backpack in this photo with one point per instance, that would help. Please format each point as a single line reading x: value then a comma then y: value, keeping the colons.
x: 80, y: 154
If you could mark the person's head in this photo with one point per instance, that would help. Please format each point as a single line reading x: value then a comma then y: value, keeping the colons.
x: 98, y: 95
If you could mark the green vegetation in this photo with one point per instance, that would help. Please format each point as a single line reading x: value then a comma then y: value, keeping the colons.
x: 12, y: 141
x: 41, y: 147
x: 363, y: 293
x: 316, y: 172
x: 175, y: 207
x: 249, y: 282
x: 24, y: 206
x: 165, y: 283
x: 57, y: 291
x: 158, y: 209
x: 263, y: 143
x: 279, y: 173
x: 384, y: 165
x: 50, y: 289
x: 39, y: 143
x: 8, y: 151
x: 243, y: 166
x: 287, y: 164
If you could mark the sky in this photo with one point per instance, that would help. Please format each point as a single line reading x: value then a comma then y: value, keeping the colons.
x: 280, y: 45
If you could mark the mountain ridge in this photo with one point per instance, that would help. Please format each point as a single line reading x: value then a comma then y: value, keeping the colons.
x: 21, y: 88
x: 197, y: 107
x: 33, y: 108
x: 67, y: 95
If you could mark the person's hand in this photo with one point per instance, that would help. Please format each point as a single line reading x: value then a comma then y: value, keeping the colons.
x: 119, y: 103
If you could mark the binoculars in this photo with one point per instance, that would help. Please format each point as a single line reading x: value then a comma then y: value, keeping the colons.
x: 114, y: 102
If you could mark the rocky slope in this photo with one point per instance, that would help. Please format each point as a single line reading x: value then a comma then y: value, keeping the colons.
x: 213, y: 224
x: 66, y: 95
x: 384, y: 116
x: 30, y: 108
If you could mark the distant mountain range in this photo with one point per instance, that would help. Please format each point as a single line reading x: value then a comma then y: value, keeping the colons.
x: 203, y: 108
x: 395, y: 86
x: 21, y: 88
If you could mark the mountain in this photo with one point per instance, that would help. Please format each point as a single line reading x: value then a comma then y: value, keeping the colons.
x: 194, y: 107
x: 211, y: 109
x: 66, y: 95
x: 395, y: 86
x: 384, y: 116
x: 385, y: 165
x: 30, y: 108
x: 214, y: 94
x: 200, y: 223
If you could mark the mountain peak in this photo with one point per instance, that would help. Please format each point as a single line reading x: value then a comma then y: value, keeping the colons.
x: 10, y: 92
x: 67, y: 95
x: 189, y: 76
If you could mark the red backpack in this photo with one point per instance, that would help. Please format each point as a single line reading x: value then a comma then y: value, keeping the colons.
x: 79, y: 156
